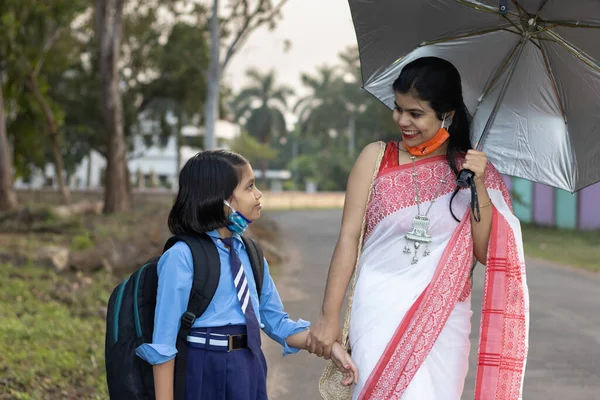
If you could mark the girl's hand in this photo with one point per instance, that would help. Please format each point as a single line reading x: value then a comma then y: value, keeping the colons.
x: 476, y: 161
x: 345, y: 364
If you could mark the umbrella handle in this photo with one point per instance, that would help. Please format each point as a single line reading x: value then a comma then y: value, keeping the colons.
x: 464, y: 181
x: 465, y: 178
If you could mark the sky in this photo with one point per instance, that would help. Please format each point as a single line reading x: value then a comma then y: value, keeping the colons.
x: 318, y: 30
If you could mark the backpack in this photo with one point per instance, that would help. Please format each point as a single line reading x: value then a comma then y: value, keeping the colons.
x: 130, y: 317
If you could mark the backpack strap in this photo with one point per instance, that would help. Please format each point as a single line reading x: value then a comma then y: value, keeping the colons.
x: 207, y: 271
x: 257, y: 260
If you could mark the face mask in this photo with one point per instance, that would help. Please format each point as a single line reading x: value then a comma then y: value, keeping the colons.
x: 237, y: 222
x: 432, y: 144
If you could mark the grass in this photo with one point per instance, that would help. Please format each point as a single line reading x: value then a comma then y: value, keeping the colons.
x: 53, y: 327
x: 52, y: 334
x: 573, y: 248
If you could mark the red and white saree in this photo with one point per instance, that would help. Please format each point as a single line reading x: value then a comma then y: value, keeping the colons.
x: 410, y: 324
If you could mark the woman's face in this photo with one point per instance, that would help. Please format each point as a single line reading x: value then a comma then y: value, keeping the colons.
x: 416, y: 119
x: 246, y: 197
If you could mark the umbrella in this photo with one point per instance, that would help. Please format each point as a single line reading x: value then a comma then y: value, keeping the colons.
x: 529, y: 68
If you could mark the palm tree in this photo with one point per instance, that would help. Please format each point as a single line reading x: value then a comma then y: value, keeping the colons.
x: 318, y: 111
x: 261, y: 108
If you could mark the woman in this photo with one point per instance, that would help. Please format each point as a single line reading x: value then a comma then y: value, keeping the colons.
x: 410, y: 317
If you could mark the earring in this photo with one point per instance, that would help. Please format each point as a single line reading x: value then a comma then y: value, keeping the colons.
x: 447, y: 121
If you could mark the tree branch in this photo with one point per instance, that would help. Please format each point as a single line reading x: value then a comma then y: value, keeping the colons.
x: 48, y: 44
x: 251, y: 22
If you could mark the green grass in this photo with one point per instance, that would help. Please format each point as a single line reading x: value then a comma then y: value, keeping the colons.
x: 573, y: 248
x: 52, y: 334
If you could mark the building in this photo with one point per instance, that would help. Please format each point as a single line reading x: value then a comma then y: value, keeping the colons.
x: 152, y: 165
x: 546, y: 206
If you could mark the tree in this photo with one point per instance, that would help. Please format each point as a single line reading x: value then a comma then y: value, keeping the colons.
x: 31, y: 32
x: 8, y: 198
x: 240, y: 19
x: 319, y: 111
x: 181, y: 87
x: 252, y: 149
x: 109, y: 29
x: 262, y: 105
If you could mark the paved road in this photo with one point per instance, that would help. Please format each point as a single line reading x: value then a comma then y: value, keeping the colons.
x: 564, y: 357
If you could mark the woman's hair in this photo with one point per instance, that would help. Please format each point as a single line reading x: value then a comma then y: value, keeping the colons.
x: 205, y: 182
x: 438, y: 82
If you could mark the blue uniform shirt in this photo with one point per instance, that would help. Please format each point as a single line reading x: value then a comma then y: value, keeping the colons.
x: 175, y: 274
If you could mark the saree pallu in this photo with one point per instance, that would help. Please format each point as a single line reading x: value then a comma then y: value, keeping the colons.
x: 410, y: 323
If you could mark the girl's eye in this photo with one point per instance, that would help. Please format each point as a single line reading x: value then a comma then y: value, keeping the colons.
x: 251, y: 186
x: 415, y: 115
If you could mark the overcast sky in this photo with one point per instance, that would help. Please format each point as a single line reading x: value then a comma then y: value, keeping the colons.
x: 318, y: 30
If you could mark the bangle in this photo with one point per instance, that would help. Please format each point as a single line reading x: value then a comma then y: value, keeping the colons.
x: 489, y: 203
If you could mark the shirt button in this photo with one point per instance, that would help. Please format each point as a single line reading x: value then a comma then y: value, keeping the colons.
x: 262, y: 326
x: 219, y: 241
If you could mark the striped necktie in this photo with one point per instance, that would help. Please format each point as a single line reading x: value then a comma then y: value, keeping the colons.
x: 243, y: 294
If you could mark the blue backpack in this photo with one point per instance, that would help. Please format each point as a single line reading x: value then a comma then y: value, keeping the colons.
x: 130, y: 317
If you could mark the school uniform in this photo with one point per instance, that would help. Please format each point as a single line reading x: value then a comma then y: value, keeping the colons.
x: 214, y: 371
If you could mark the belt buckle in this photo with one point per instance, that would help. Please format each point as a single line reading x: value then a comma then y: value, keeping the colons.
x: 230, y: 341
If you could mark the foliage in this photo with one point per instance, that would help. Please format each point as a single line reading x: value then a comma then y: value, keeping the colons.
x: 261, y: 106
x: 252, y: 149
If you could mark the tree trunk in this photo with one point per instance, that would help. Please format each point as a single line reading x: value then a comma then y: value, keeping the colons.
x: 8, y: 198
x: 109, y: 29
x: 179, y: 142
x: 211, y: 107
x: 33, y: 86
x: 88, y: 174
x: 351, y: 136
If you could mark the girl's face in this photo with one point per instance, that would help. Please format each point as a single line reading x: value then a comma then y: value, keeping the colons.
x: 416, y: 119
x: 246, y: 197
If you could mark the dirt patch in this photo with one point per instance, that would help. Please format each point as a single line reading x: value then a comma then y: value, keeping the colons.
x: 88, y: 242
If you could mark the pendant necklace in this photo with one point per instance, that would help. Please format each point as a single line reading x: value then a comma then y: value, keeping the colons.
x: 420, y: 226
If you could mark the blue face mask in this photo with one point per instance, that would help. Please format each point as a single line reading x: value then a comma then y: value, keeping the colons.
x: 237, y: 222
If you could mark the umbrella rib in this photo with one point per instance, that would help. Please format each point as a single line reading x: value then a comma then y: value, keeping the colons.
x: 537, y: 15
x: 520, y: 9
x: 553, y: 80
x: 575, y: 24
x: 517, y: 55
x: 575, y: 51
x: 492, y: 82
x: 470, y: 34
x: 478, y: 6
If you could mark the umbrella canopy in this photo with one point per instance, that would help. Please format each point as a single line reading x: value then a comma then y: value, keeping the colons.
x: 529, y: 71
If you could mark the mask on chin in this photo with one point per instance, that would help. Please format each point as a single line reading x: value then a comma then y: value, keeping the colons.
x: 432, y: 144
x: 237, y: 222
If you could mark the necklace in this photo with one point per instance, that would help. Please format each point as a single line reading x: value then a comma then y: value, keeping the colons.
x: 419, y: 234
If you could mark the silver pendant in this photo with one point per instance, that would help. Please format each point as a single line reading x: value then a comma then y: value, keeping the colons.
x: 418, y: 236
x: 419, y: 232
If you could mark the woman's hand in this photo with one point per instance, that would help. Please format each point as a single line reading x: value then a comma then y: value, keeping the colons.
x: 476, y: 161
x: 323, y: 335
x: 342, y: 360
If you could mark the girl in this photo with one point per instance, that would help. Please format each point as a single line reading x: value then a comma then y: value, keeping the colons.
x: 217, y: 196
x: 421, y: 236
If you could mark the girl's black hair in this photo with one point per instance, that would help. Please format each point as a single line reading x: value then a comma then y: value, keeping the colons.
x: 438, y: 82
x: 205, y: 182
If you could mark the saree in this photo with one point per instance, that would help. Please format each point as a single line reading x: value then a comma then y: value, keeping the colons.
x: 409, y: 323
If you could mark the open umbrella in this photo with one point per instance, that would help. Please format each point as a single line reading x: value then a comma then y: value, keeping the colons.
x: 529, y: 69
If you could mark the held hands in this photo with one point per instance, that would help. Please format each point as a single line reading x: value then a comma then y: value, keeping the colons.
x: 342, y: 360
x: 476, y: 161
x: 322, y: 337
x: 323, y: 341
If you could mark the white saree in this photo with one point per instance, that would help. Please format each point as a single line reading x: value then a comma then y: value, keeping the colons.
x: 410, y: 323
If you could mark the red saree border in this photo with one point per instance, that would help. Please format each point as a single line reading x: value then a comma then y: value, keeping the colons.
x: 503, y: 332
x: 421, y: 326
